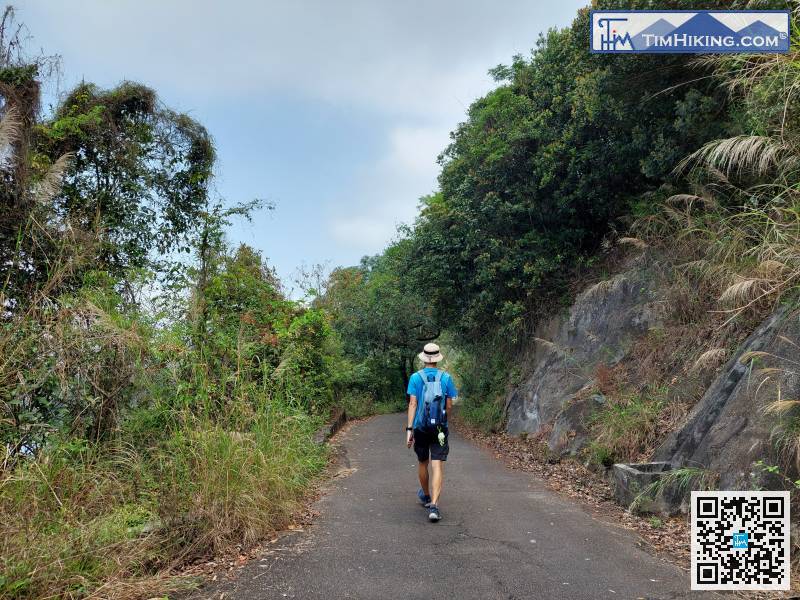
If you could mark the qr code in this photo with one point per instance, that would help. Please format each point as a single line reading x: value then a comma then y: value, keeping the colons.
x: 740, y: 540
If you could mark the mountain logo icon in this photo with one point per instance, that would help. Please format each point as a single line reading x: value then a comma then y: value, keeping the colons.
x: 690, y: 31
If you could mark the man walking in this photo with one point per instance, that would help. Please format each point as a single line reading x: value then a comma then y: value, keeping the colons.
x: 431, y: 392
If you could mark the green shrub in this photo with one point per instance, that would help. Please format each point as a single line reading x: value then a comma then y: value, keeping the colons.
x: 600, y: 455
x: 487, y: 415
x: 385, y: 407
x: 626, y: 427
x: 483, y: 379
x: 357, y: 404
x: 81, y: 515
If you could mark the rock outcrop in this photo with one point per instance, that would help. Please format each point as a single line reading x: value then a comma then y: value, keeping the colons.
x: 600, y: 327
x: 727, y: 431
x: 571, y: 427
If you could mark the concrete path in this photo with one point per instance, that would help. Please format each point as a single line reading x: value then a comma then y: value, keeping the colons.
x: 503, y: 535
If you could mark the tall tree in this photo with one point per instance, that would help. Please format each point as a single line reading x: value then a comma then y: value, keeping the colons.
x: 376, y: 312
x: 21, y: 186
x: 545, y: 165
x: 140, y: 175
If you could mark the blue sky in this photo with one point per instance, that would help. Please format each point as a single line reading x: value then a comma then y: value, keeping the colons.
x: 334, y: 111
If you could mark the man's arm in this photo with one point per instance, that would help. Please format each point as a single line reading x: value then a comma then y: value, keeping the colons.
x: 451, y: 392
x: 412, y: 410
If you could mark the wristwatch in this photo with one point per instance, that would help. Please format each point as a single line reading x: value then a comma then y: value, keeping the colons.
x: 409, y: 429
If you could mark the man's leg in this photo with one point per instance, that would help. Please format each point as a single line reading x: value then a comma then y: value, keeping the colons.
x: 437, y: 480
x: 422, y: 471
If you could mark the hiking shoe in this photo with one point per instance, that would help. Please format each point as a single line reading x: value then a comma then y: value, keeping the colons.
x: 424, y: 499
x: 434, y: 515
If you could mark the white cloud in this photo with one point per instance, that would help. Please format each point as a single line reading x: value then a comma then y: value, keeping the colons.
x: 413, y: 67
x: 414, y: 57
x: 386, y: 193
x: 367, y: 233
x: 414, y: 150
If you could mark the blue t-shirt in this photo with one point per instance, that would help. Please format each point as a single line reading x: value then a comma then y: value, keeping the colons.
x: 416, y: 387
x: 415, y: 384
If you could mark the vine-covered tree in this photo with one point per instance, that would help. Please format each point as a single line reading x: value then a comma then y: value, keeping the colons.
x: 140, y: 174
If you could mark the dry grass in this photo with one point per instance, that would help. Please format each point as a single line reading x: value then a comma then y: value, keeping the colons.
x: 709, y: 359
x: 632, y: 241
x: 772, y: 372
x: 607, y: 379
x: 741, y: 155
x: 114, y: 521
x: 740, y: 228
x: 10, y: 128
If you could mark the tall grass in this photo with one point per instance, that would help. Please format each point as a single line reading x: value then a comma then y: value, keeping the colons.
x: 774, y: 370
x: 127, y: 453
x: 677, y: 483
x: 739, y: 228
x: 131, y: 445
x: 83, y: 519
x: 741, y: 225
x: 627, y: 427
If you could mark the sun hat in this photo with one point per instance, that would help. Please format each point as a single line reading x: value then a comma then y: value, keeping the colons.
x: 430, y: 354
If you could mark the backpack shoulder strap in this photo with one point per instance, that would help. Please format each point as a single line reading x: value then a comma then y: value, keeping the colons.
x: 444, y: 387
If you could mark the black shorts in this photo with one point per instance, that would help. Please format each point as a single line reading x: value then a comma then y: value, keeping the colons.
x: 426, y: 445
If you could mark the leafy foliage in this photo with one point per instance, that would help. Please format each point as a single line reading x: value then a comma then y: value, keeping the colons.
x: 545, y: 166
x: 140, y: 173
x: 382, y: 321
x: 135, y: 435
